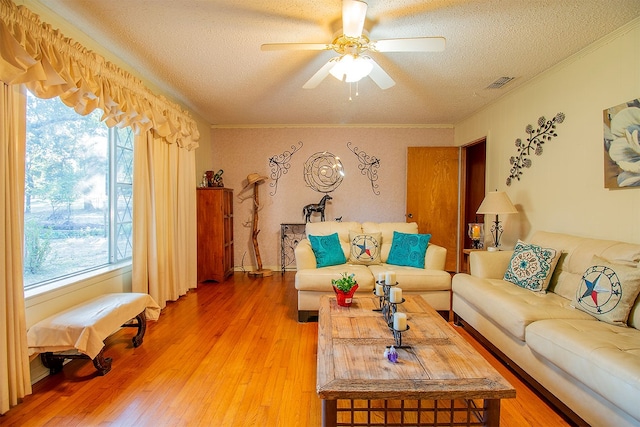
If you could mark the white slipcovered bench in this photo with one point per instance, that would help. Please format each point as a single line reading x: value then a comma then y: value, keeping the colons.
x: 80, y: 331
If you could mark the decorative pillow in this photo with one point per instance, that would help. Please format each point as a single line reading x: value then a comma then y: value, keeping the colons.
x: 408, y: 249
x: 327, y: 250
x: 365, y: 248
x: 531, y: 266
x: 607, y: 291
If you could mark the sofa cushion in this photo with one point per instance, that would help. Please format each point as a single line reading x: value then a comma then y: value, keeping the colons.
x: 607, y: 291
x: 365, y: 247
x: 408, y: 249
x: 319, y: 279
x: 327, y: 250
x: 604, y: 357
x: 531, y: 266
x: 412, y: 279
x: 512, y: 307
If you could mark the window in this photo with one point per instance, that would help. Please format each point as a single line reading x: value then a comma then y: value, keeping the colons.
x: 78, y: 192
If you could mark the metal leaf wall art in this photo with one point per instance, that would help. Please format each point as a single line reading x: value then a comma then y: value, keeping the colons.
x: 368, y: 166
x: 280, y: 165
x: 537, y: 137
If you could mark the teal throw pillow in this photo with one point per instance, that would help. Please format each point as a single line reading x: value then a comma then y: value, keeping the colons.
x: 327, y: 250
x: 408, y: 249
x: 531, y: 266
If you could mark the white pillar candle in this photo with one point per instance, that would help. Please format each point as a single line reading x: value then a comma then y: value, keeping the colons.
x: 381, y: 277
x: 399, y: 321
x: 395, y: 295
x: 379, y: 290
x: 390, y: 278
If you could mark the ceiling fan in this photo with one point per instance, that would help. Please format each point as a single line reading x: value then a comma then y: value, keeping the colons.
x: 352, y: 65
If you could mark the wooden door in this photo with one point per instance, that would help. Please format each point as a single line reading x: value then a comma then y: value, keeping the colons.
x: 432, y: 196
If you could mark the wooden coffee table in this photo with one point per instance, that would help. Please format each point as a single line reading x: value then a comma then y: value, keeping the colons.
x: 439, y: 379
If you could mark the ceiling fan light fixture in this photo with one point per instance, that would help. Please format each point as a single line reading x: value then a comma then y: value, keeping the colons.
x: 351, y: 68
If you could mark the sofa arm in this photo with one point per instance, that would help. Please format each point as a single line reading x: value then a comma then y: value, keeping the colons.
x: 435, y: 257
x: 305, y: 258
x: 489, y: 265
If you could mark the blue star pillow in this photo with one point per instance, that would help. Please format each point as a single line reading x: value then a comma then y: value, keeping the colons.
x: 607, y: 291
x: 365, y: 248
x: 408, y: 249
x: 327, y: 250
x: 531, y: 266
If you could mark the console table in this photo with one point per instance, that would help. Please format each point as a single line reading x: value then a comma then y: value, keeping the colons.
x: 290, y: 235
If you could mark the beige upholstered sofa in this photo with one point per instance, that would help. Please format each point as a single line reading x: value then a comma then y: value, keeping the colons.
x: 432, y: 282
x: 588, y: 364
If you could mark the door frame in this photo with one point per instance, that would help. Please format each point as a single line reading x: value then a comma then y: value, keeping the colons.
x: 473, y: 162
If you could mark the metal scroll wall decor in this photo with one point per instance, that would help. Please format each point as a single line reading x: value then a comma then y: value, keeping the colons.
x: 280, y: 164
x: 537, y: 137
x: 368, y: 166
x: 323, y: 172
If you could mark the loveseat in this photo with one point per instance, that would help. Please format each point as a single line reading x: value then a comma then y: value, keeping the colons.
x: 365, y: 250
x: 573, y: 338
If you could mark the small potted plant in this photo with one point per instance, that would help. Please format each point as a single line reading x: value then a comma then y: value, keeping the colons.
x: 344, y: 288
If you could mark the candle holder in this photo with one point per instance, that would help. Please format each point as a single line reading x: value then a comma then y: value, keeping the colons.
x: 397, y: 336
x: 476, y: 234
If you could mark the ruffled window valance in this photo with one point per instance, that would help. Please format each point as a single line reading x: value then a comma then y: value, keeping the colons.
x: 50, y: 65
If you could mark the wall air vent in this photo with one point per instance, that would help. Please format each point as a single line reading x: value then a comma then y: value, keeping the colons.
x: 500, y: 82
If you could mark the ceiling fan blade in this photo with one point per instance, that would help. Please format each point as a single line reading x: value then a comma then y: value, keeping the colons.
x: 417, y: 44
x: 320, y: 75
x: 296, y: 46
x: 380, y: 77
x: 354, y: 12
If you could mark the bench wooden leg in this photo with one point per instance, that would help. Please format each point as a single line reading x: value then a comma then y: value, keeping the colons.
x: 102, y: 364
x: 142, y: 328
x: 51, y: 361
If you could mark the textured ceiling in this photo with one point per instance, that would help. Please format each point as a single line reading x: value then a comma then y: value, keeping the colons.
x: 206, y: 53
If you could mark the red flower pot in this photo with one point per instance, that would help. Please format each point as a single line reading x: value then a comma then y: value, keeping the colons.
x: 344, y: 299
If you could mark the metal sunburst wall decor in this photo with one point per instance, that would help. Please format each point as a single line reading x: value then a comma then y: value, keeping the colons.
x: 368, y: 166
x: 537, y: 137
x: 280, y: 164
x: 323, y: 172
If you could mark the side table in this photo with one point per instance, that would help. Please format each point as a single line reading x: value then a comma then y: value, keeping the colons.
x: 290, y: 236
x: 465, y: 256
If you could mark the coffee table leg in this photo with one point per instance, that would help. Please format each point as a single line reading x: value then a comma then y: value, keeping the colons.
x: 492, y: 412
x: 329, y: 413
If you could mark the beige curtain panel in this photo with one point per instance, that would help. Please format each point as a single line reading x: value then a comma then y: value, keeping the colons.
x: 34, y: 55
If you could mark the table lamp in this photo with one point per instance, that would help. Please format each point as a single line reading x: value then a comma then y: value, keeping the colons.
x: 496, y: 203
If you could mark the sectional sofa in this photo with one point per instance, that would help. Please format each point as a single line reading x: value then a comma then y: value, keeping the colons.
x: 579, y: 339
x: 365, y: 250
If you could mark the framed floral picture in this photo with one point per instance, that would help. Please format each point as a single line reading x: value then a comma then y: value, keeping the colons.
x: 621, y: 145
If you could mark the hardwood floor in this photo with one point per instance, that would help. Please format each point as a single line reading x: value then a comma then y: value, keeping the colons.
x: 229, y: 354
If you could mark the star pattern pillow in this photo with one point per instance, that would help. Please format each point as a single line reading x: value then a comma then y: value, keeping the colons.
x: 531, y: 266
x: 365, y: 248
x: 607, y: 291
x: 327, y: 250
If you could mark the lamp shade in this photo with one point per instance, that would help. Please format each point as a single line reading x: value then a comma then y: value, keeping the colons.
x: 496, y: 202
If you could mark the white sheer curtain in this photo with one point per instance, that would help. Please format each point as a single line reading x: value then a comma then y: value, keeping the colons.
x: 14, y: 359
x: 164, y: 260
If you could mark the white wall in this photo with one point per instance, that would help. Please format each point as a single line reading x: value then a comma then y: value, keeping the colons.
x: 563, y: 191
x: 241, y: 151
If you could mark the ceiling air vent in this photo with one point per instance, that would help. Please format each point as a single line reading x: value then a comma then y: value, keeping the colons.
x: 500, y: 82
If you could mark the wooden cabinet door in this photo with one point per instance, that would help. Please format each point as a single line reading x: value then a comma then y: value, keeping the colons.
x: 432, y: 196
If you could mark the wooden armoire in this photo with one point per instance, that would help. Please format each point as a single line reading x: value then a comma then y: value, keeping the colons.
x: 215, y: 233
